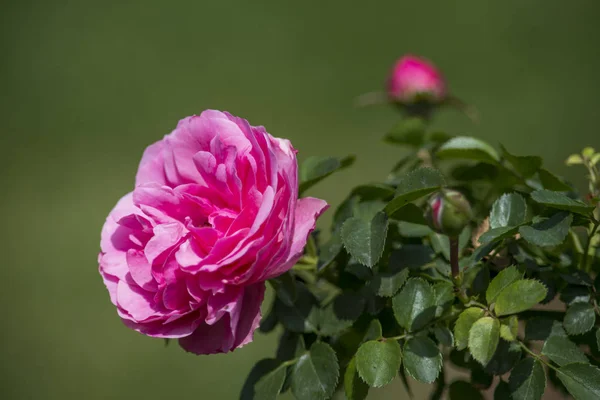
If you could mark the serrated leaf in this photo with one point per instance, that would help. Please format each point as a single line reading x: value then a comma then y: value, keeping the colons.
x: 260, y: 370
x: 422, y: 359
x: 378, y: 362
x: 581, y: 380
x: 575, y: 294
x: 506, y: 356
x: 374, y: 191
x: 414, y: 306
x: 354, y: 387
x: 409, y: 131
x: 269, y: 386
x: 468, y: 148
x: 509, y: 210
x: 497, y: 234
x: 552, y: 182
x: 562, y: 351
x: 548, y: 232
x: 463, y: 325
x: 526, y: 166
x: 483, y: 339
x: 374, y: 331
x: 316, y: 373
x: 443, y: 294
x: 540, y: 328
x: 414, y: 185
x: 365, y: 240
x: 461, y: 390
x: 444, y: 335
x: 519, y: 296
x: 579, y: 319
x: 340, y: 314
x: 387, y: 284
x: 412, y: 214
x: 302, y: 317
x: 527, y: 380
x: 314, y: 169
x: 561, y: 201
x: 501, y: 282
x: 330, y: 250
x: 509, y: 328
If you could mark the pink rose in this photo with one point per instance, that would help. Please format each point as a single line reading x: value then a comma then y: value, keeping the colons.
x: 214, y: 214
x: 414, y: 78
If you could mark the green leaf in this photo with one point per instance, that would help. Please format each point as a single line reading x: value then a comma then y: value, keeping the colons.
x: 497, y: 234
x: 526, y: 166
x: 374, y: 191
x: 444, y: 335
x: 412, y: 256
x: 509, y: 328
x: 340, y: 314
x: 414, y: 185
x: 598, y: 339
x: 285, y: 288
x: 465, y: 321
x: 527, y: 380
x: 302, y: 317
x: 330, y: 250
x: 461, y: 390
x: 509, y: 210
x: 365, y: 240
x: 412, y: 214
x: 443, y: 294
x: 414, y: 306
x: 548, y: 232
x: 316, y: 373
x: 579, y: 319
x: 561, y: 201
x: 269, y: 386
x: 378, y: 362
x: 519, y: 296
x: 260, y: 370
x: 468, y: 148
x: 422, y: 359
x: 409, y: 131
x: 314, y: 169
x: 562, y: 351
x: 506, y: 356
x: 552, y: 182
x: 581, y: 380
x: 483, y: 339
x: 374, y: 331
x: 502, y: 391
x: 291, y: 345
x: 388, y: 283
x: 540, y: 328
x: 501, y: 281
x: 354, y: 387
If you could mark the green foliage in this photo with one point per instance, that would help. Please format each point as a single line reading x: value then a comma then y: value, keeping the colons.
x: 315, y: 373
x: 509, y: 210
x: 527, y: 380
x: 422, y: 359
x: 413, y: 186
x: 468, y: 148
x: 579, y: 318
x: 414, y: 306
x: 519, y: 296
x: 463, y: 325
x: 378, y: 362
x: 354, y: 387
x: 581, y: 380
x: 483, y: 339
x: 314, y: 169
x: 364, y: 240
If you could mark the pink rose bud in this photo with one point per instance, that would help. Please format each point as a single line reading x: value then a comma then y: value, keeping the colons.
x: 414, y: 79
x: 448, y: 212
x: 214, y: 213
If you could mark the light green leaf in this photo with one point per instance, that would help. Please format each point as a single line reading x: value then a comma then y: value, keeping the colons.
x: 422, y: 359
x: 365, y: 240
x: 414, y: 185
x: 519, y: 296
x: 387, y: 284
x: 548, y: 232
x: 581, y: 380
x: 316, y: 168
x: 409, y: 131
x: 509, y: 328
x: 562, y: 351
x: 501, y: 281
x: 579, y: 319
x: 463, y: 325
x: 378, y: 362
x: 316, y: 373
x: 468, y: 148
x: 483, y: 339
x: 527, y: 380
x: 461, y: 390
x: 526, y: 166
x: 561, y: 201
x: 414, y: 306
x: 354, y: 387
x: 509, y: 210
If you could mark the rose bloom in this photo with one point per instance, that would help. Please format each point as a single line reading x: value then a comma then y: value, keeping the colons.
x: 414, y: 78
x: 214, y: 213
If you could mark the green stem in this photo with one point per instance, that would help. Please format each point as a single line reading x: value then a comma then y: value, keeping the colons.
x: 584, y: 260
x: 537, y: 356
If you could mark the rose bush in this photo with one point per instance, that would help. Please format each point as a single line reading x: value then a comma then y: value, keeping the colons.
x: 214, y: 214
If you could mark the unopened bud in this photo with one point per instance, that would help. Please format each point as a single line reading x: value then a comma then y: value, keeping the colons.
x: 416, y: 80
x: 448, y: 212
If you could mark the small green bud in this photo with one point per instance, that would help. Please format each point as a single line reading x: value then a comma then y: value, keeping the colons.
x: 448, y: 212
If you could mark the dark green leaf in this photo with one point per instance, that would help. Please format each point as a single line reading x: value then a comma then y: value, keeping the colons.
x: 579, y: 319
x: 561, y: 201
x: 548, y: 232
x: 468, y: 148
x: 412, y: 214
x: 303, y: 316
x: 526, y: 166
x: 422, y: 359
x: 315, y: 168
x: 519, y: 296
x: 365, y: 240
x: 374, y: 191
x: 465, y: 321
x: 598, y: 338
x: 509, y: 210
x: 444, y: 336
x: 552, y: 182
x: 443, y: 294
x: 374, y: 331
x: 483, y: 339
x: 562, y: 351
x: 354, y: 387
x: 316, y: 373
x: 387, y: 284
x: 267, y: 323
x: 414, y: 185
x: 481, y: 379
x: 414, y: 306
x: 497, y: 234
x: 540, y: 328
x: 501, y: 282
x: 269, y: 386
x: 581, y: 380
x: 409, y: 131
x: 412, y: 256
x: 330, y: 250
x: 506, y: 356
x: 291, y: 345
x: 378, y: 362
x: 502, y: 391
x: 575, y: 294
x: 260, y: 370
x: 461, y: 390
x: 285, y: 288
x: 340, y: 314
x: 527, y: 380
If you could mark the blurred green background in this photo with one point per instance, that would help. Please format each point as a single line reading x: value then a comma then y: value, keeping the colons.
x: 86, y: 85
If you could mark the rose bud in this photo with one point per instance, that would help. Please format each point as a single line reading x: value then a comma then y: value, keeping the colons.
x: 448, y: 212
x: 415, y: 80
x: 213, y: 215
